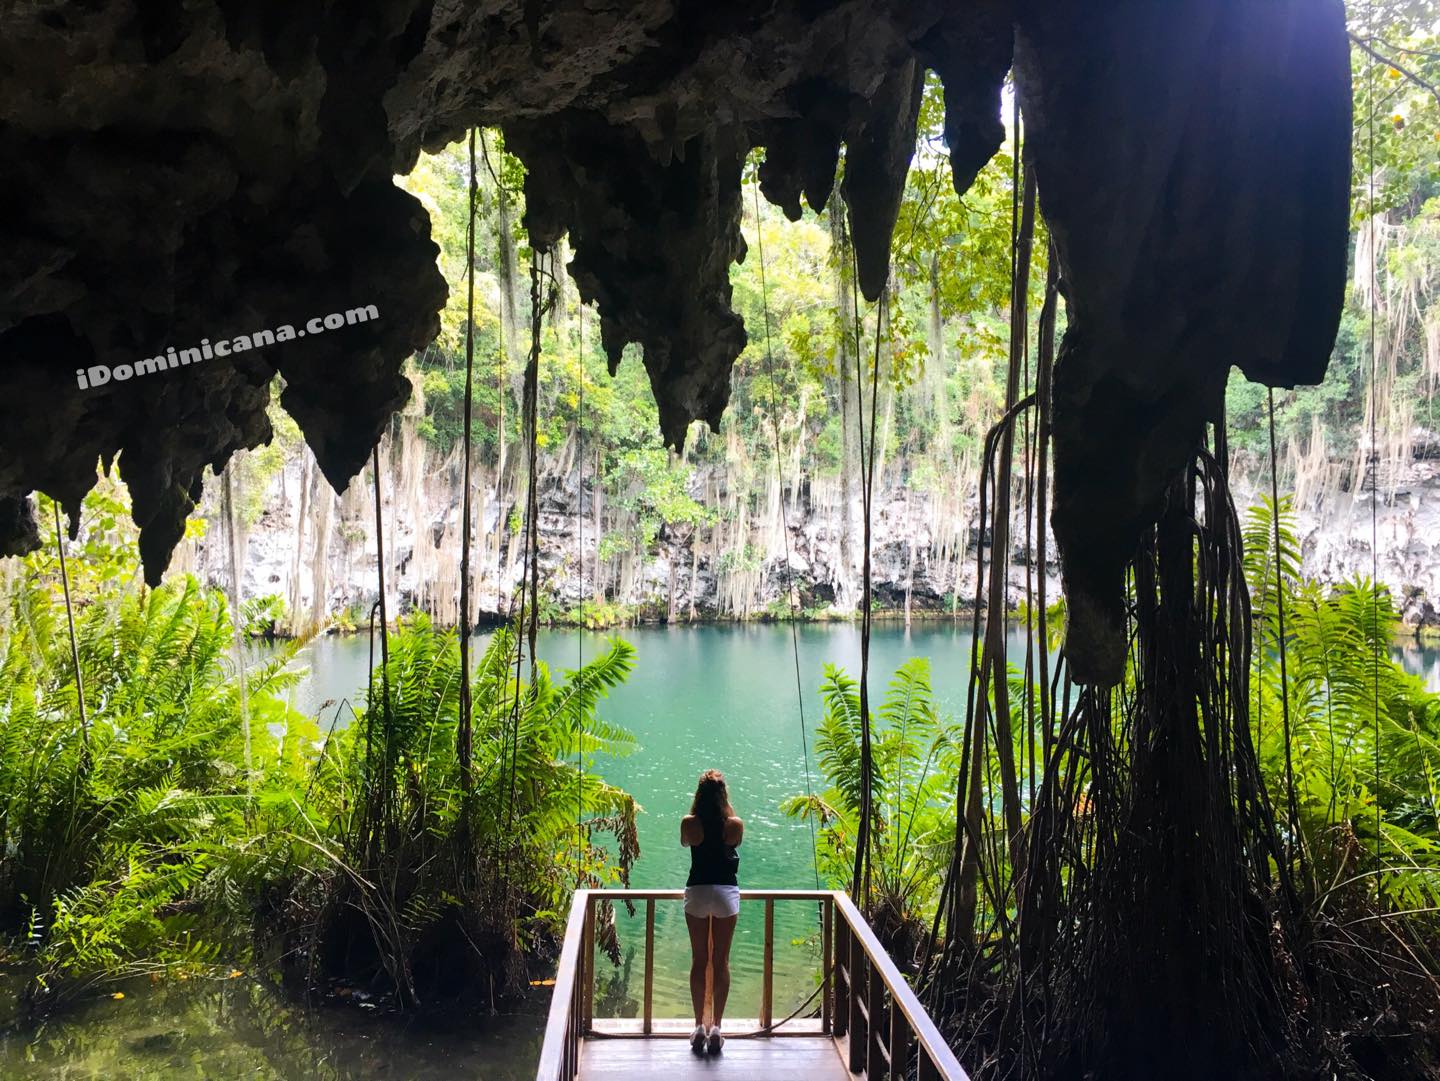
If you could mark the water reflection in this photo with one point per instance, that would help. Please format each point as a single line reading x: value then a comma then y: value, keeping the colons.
x: 243, y: 1029
x: 1421, y: 658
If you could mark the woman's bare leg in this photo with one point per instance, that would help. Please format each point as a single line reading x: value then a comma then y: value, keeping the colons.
x: 699, y: 928
x: 724, y: 933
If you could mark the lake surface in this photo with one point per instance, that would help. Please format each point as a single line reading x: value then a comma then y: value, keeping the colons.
x: 1423, y: 660
x: 699, y: 697
x: 722, y: 696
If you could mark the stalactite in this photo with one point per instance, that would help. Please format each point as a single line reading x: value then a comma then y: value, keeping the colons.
x: 670, y: 603
x: 386, y: 498
x: 482, y: 497
x: 909, y: 561
x: 410, y: 509
x: 694, y: 574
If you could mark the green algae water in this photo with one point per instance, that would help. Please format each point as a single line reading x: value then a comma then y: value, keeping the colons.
x: 242, y: 1029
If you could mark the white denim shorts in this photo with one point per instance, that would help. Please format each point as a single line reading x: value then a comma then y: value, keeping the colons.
x: 719, y: 901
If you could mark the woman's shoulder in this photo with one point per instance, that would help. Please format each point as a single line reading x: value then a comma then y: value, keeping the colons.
x: 734, y: 829
x: 691, y: 831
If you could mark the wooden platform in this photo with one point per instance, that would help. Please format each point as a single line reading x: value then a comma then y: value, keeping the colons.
x: 863, y: 1019
x: 776, y: 1058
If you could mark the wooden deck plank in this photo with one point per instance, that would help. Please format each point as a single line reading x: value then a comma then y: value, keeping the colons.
x: 812, y: 1057
x: 670, y: 1028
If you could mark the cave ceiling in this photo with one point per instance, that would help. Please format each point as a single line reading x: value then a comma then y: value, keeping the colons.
x: 179, y: 171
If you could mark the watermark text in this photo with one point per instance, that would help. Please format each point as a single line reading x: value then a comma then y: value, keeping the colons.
x: 100, y: 374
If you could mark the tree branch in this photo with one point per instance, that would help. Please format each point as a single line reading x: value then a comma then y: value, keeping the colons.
x: 1365, y: 46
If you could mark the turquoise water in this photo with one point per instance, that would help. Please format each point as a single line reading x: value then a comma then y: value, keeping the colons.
x: 726, y: 697
x: 1423, y: 660
x: 702, y: 697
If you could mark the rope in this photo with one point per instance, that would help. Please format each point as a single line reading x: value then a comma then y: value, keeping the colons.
x: 380, y: 602
x: 230, y: 517
x: 1280, y: 640
x: 530, y: 571
x: 1374, y: 471
x: 464, y: 735
x: 785, y: 527
x: 860, y: 885
x: 580, y: 635
x: 70, y: 620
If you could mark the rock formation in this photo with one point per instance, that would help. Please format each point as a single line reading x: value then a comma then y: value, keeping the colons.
x: 186, y: 173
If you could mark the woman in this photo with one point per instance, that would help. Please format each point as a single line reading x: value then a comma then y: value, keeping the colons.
x: 712, y: 899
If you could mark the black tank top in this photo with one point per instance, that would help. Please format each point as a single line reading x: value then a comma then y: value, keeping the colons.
x: 712, y: 861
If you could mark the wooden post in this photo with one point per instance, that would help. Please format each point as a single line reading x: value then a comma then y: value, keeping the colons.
x: 899, y: 1044
x: 858, y: 1005
x: 827, y: 964
x: 841, y: 1022
x: 572, y: 1042
x: 767, y: 978
x: 875, y: 1025
x: 649, y: 963
x: 587, y: 971
x: 567, y: 1061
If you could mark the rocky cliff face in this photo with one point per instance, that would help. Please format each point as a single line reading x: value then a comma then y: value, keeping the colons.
x: 923, y: 556
x: 1336, y: 532
x: 924, y: 550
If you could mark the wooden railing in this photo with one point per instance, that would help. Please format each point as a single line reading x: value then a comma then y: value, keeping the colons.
x: 864, y: 1002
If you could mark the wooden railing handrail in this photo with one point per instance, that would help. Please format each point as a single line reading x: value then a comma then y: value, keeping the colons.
x: 558, y: 1024
x: 862, y: 995
x: 901, y: 995
x: 679, y: 895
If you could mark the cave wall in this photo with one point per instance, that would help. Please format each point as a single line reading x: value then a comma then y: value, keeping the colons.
x: 1193, y: 164
x: 199, y: 170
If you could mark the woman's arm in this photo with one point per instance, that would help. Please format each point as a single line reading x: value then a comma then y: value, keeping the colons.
x: 734, y: 832
x: 691, y: 832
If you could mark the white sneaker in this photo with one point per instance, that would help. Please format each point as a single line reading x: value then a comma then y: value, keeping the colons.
x: 697, y: 1040
x: 715, y: 1041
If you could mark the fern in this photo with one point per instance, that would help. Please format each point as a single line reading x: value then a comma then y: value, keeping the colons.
x: 114, y: 836
x: 1364, y: 736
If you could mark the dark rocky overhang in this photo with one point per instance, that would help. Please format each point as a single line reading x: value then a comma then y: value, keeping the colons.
x: 174, y: 172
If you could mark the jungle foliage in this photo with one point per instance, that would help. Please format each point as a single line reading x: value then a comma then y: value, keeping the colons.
x: 1336, y: 722
x: 192, y: 817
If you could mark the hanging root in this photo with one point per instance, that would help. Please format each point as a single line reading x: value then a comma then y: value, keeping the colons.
x: 1165, y: 923
x: 1152, y: 884
x: 1147, y: 934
